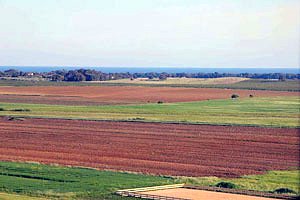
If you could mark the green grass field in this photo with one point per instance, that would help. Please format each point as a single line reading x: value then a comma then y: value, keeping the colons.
x: 266, y: 182
x: 251, y: 84
x: 70, y: 183
x: 276, y: 111
x: 183, y: 81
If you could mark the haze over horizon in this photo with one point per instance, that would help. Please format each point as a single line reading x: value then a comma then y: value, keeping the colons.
x: 150, y: 33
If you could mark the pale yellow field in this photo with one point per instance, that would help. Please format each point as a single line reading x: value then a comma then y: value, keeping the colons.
x: 6, y: 196
x: 200, y: 81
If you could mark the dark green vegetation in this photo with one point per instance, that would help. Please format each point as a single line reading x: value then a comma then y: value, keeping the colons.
x: 223, y: 184
x: 16, y: 110
x: 276, y: 112
x: 252, y: 84
x: 68, y: 183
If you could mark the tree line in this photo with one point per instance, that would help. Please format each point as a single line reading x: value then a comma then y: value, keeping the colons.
x: 93, y: 75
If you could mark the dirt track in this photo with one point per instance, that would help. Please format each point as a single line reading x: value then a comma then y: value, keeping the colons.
x: 170, y: 149
x: 202, y: 194
x: 92, y: 95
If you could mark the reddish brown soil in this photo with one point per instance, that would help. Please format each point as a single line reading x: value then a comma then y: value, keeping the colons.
x: 92, y: 95
x: 170, y: 149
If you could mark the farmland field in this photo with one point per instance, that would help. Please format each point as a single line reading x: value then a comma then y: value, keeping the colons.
x: 95, y: 95
x: 175, y: 141
x: 184, y: 81
x: 251, y: 84
x: 168, y: 149
x: 7, y: 196
x: 276, y: 111
x: 68, y: 183
x: 225, y: 83
x: 265, y: 182
x: 47, y: 181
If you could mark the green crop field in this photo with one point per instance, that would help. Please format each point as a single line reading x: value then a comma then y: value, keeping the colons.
x: 69, y: 183
x: 64, y: 182
x: 276, y: 111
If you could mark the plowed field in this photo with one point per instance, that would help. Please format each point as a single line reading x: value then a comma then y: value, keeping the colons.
x: 92, y: 95
x: 169, y: 149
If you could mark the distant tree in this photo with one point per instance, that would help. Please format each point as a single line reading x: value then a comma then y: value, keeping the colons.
x: 56, y: 77
x: 226, y: 185
x: 284, y: 191
x: 162, y: 77
x: 282, y: 77
x: 235, y: 96
x: 13, y: 73
x: 74, y: 76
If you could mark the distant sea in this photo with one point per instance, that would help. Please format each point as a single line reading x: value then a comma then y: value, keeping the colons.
x: 155, y: 69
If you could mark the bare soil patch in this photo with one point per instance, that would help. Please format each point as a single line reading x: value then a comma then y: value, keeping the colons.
x: 154, y: 148
x: 93, y: 95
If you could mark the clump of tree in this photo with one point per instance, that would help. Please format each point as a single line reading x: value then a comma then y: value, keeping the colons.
x: 235, y: 96
x: 226, y: 185
x: 284, y: 191
x: 20, y: 110
x: 163, y: 76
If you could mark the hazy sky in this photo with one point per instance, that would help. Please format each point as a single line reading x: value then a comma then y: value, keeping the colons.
x: 175, y: 33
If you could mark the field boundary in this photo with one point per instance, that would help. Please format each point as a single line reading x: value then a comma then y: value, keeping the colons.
x: 135, y: 192
x: 149, y: 121
x: 242, y: 192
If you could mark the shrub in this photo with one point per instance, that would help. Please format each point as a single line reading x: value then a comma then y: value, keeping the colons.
x: 20, y: 110
x: 160, y: 102
x: 284, y: 190
x: 251, y: 95
x: 226, y: 185
x: 15, y: 119
x: 2, y: 109
x: 235, y: 96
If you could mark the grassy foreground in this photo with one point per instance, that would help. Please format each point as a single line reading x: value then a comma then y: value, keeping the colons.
x: 71, y: 183
x: 277, y: 112
x: 7, y: 196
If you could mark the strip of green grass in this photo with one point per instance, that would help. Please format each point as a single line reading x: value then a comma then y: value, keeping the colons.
x: 252, y: 84
x: 277, y: 112
x: 266, y: 182
x: 6, y: 196
x: 71, y: 183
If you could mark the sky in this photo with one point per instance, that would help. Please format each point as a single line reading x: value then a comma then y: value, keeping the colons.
x: 150, y: 33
